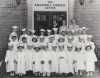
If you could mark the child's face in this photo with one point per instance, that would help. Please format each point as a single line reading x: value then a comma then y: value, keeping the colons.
x: 24, y: 40
x: 78, y: 50
x: 61, y: 48
x: 14, y: 38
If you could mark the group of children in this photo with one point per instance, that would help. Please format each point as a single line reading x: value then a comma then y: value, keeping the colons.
x: 51, y: 55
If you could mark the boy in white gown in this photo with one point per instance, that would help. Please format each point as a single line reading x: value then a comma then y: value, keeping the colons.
x: 10, y: 60
x: 20, y: 59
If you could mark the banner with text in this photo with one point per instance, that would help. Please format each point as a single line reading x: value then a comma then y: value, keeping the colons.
x: 50, y: 5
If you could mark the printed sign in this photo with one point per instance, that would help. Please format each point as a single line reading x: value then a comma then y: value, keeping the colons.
x: 50, y: 5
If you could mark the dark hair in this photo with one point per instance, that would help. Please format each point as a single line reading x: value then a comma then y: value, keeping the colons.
x: 87, y: 47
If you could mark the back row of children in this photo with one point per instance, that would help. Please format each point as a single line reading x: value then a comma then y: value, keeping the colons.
x: 55, y: 54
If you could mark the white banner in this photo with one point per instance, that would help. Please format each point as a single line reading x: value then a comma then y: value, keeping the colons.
x: 50, y: 5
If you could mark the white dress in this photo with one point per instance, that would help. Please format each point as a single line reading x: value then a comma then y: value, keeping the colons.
x: 62, y: 62
x: 45, y: 58
x: 28, y: 59
x: 34, y: 57
x: 20, y: 58
x: 90, y: 60
x: 80, y: 60
x: 10, y: 58
x: 15, y: 44
x: 70, y: 57
x: 38, y: 61
x: 54, y: 65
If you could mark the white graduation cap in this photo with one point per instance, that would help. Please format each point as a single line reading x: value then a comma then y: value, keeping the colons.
x: 55, y: 29
x: 42, y: 30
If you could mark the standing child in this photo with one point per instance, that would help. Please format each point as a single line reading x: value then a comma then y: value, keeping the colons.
x: 20, y: 59
x: 79, y: 60
x: 90, y: 60
x: 10, y: 60
x: 70, y: 55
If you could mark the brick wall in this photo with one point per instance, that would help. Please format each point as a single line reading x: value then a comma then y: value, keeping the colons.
x: 10, y: 15
x: 89, y: 16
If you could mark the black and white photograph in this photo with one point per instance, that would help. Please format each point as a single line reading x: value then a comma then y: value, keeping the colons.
x: 49, y: 39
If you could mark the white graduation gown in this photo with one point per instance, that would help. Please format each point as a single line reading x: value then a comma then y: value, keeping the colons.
x: 20, y: 58
x: 10, y: 58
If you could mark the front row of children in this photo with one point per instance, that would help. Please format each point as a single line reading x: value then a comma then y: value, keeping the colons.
x: 50, y: 62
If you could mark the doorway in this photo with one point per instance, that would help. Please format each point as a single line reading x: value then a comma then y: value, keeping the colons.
x: 44, y: 19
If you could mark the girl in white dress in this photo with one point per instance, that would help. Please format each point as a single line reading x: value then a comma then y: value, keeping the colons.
x: 62, y: 58
x: 20, y: 59
x: 90, y: 60
x: 79, y: 60
x: 10, y: 60
x: 69, y: 49
x: 62, y: 61
x: 37, y: 59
